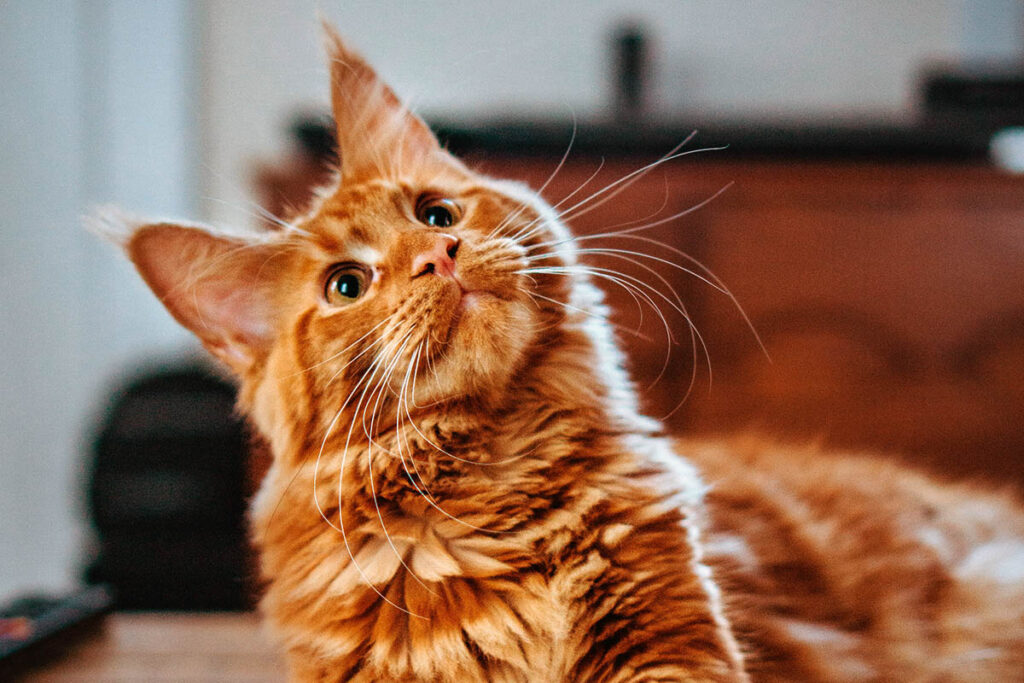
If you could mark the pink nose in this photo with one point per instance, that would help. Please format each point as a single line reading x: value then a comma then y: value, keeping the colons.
x: 438, y: 257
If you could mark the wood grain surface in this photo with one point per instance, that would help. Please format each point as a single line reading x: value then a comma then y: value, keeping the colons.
x: 220, y: 647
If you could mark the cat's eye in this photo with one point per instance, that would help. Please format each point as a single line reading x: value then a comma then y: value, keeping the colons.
x: 346, y: 284
x: 438, y: 212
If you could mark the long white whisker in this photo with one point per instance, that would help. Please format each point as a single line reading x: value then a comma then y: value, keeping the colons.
x: 626, y: 224
x: 339, y: 353
x: 511, y: 217
x: 711, y: 279
x: 439, y: 448
x: 365, y: 382
x: 627, y: 181
x: 427, y: 496
x: 583, y: 206
x: 611, y: 275
x: 590, y: 314
x: 646, y: 226
x: 369, y: 463
x: 630, y: 285
x: 526, y: 231
x: 624, y: 183
x: 626, y: 253
x: 628, y: 281
x: 377, y: 365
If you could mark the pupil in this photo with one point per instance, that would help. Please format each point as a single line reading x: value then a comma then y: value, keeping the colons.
x: 438, y: 217
x: 348, y: 286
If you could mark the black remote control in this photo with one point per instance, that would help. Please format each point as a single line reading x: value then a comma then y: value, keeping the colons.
x: 36, y: 627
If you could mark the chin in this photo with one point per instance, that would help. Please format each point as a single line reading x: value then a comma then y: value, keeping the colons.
x: 486, y: 346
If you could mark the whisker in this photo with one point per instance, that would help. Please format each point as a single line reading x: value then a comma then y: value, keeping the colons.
x: 581, y: 208
x: 675, y: 294
x: 316, y: 465
x: 528, y: 230
x: 608, y: 274
x: 624, y: 183
x: 424, y: 492
x: 369, y: 465
x: 367, y: 378
x: 709, y: 276
x: 508, y: 220
x: 646, y: 226
x: 341, y: 519
x: 590, y: 314
x: 627, y: 285
x: 262, y: 212
x: 627, y: 253
x: 439, y: 448
x: 649, y: 216
x: 339, y: 353
x: 628, y: 281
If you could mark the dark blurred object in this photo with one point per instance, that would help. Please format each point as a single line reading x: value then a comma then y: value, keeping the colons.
x: 285, y: 190
x: 38, y: 628
x: 315, y: 137
x: 630, y: 72
x: 981, y: 98
x: 167, y: 495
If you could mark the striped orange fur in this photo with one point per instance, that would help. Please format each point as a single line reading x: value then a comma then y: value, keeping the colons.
x: 463, y: 488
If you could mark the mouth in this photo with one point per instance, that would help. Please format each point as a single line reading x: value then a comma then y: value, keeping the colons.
x: 470, y: 297
x: 469, y: 304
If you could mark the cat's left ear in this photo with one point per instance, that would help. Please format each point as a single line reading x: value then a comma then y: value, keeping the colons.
x: 224, y: 289
x: 377, y: 135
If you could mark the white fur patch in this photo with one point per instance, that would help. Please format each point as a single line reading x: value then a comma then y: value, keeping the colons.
x: 1000, y: 561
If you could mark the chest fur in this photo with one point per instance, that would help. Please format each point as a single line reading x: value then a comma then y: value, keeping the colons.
x: 434, y: 597
x: 488, y: 574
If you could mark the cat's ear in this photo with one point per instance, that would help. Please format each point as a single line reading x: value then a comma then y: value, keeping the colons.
x: 377, y: 135
x: 220, y: 288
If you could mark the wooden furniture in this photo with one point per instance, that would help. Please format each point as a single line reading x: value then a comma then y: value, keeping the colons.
x: 889, y: 297
x: 199, y: 648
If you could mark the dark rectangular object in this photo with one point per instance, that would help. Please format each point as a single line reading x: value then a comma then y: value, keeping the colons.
x: 993, y: 97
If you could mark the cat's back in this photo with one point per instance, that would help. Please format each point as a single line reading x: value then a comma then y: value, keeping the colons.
x: 853, y: 568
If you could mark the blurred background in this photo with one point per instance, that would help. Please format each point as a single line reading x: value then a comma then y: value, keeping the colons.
x: 872, y: 229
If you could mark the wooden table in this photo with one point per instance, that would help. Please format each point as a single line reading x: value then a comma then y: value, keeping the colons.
x: 170, y: 647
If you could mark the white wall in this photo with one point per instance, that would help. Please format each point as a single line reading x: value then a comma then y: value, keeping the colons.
x: 96, y: 107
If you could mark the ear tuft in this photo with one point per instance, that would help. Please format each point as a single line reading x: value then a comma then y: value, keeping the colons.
x: 112, y: 224
x: 335, y: 47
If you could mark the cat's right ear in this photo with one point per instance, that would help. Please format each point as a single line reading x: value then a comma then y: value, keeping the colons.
x: 221, y: 288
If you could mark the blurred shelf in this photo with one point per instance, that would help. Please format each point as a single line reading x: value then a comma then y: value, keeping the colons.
x: 950, y: 139
x: 866, y: 140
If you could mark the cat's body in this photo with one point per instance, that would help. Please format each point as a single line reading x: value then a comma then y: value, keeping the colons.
x: 838, y: 567
x: 582, y: 566
x: 463, y: 489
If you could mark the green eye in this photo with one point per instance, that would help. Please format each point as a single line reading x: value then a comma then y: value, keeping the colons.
x: 345, y: 285
x: 438, y: 212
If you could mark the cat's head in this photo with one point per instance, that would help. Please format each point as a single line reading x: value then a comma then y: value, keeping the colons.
x: 407, y: 271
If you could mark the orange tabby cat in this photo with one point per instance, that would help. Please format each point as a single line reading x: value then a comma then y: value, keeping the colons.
x: 464, y: 490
